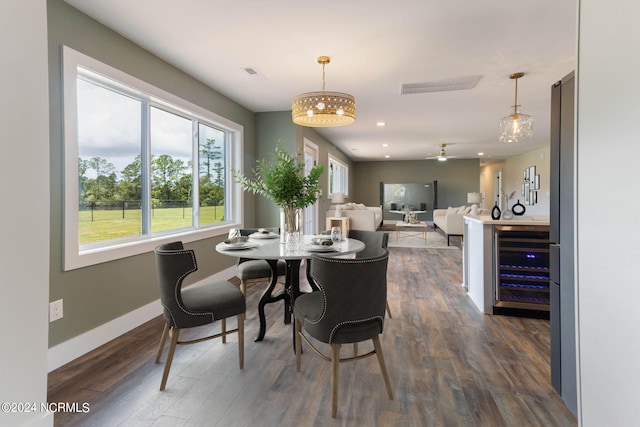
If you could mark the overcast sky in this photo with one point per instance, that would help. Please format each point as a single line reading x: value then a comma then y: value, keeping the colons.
x: 109, y: 127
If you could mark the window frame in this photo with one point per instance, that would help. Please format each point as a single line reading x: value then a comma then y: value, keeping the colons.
x: 76, y: 255
x: 340, y: 164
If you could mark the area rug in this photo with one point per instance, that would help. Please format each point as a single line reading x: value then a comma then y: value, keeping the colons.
x: 435, y: 238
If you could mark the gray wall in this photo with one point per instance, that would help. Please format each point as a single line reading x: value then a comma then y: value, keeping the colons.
x: 455, y: 179
x: 95, y: 295
x: 272, y: 129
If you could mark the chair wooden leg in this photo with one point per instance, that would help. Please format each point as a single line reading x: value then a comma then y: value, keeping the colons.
x: 163, y: 339
x: 389, y: 311
x: 383, y: 366
x: 355, y: 349
x: 335, y: 377
x: 298, y: 342
x: 241, y: 339
x: 173, y: 341
x: 223, y: 327
x: 243, y: 287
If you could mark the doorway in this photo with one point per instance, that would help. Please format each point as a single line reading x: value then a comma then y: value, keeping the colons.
x: 310, y: 212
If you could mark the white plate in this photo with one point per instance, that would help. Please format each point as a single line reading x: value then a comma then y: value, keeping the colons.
x: 326, y: 237
x: 320, y: 248
x: 237, y: 246
x: 259, y: 235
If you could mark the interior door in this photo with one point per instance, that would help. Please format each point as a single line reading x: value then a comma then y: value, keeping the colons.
x: 310, y: 212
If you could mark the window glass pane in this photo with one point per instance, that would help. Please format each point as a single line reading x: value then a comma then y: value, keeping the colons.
x: 338, y: 177
x: 171, y: 171
x: 109, y: 128
x: 331, y: 176
x: 211, y: 146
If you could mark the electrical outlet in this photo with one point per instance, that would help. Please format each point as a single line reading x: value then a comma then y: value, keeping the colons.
x: 55, y: 310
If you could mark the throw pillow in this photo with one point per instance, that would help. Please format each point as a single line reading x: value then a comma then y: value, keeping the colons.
x: 451, y: 211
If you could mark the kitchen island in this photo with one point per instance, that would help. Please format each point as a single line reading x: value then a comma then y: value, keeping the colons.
x: 506, y: 262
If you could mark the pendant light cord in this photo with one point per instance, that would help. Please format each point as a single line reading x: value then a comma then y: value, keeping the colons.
x: 515, y: 105
x: 323, y: 78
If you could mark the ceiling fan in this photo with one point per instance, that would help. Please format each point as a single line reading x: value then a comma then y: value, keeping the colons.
x: 442, y: 156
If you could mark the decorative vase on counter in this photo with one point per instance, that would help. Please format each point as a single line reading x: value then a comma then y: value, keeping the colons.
x: 507, y: 214
x: 518, y: 209
x: 495, y: 212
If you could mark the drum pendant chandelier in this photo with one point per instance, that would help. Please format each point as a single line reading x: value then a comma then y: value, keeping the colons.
x: 517, y: 126
x: 323, y: 109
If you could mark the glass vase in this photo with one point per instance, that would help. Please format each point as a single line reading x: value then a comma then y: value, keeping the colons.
x: 292, y: 227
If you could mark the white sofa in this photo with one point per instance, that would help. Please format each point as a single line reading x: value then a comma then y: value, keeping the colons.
x: 451, y: 220
x: 361, y: 217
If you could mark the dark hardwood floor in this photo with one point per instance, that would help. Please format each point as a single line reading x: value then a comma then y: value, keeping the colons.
x: 449, y: 366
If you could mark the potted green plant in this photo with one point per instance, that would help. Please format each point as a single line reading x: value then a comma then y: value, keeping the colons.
x: 281, y: 179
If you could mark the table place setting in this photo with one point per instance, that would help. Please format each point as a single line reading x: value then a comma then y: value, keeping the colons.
x: 263, y: 233
x: 321, y: 243
x: 237, y: 243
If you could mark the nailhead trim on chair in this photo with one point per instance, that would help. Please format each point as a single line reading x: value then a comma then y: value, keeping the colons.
x: 324, y: 307
x: 352, y: 260
x: 173, y: 319
x: 176, y: 287
x: 335, y: 328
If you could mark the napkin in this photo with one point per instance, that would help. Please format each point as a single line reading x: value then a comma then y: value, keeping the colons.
x: 234, y: 240
x: 320, y: 241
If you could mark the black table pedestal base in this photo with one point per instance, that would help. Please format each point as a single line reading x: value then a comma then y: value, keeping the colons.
x: 290, y: 293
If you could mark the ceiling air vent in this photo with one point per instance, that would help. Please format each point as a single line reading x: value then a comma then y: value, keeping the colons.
x: 253, y: 73
x: 462, y: 83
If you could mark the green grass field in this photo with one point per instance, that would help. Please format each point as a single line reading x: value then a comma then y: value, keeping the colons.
x: 109, y: 224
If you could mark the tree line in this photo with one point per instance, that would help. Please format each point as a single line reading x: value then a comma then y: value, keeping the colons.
x: 171, y: 179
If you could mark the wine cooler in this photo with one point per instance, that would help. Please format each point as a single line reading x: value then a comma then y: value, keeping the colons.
x: 522, y: 267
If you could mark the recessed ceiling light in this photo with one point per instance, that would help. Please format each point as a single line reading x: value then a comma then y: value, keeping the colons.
x: 381, y: 124
x: 385, y: 145
x: 387, y: 156
x: 480, y: 154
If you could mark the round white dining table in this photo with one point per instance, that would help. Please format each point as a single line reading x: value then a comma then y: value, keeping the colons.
x: 271, y: 250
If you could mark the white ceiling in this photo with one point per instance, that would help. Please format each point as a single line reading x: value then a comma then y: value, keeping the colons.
x: 375, y: 46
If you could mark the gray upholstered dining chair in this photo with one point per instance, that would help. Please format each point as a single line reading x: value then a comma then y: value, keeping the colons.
x: 372, y: 241
x: 256, y: 270
x: 198, y: 304
x: 349, y: 308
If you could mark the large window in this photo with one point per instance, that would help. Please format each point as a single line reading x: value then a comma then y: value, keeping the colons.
x: 141, y: 166
x: 338, y: 176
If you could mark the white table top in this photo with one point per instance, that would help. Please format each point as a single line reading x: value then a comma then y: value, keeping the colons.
x: 404, y: 212
x: 273, y: 249
x: 409, y: 224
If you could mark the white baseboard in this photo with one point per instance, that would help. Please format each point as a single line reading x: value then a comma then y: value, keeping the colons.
x: 75, y: 347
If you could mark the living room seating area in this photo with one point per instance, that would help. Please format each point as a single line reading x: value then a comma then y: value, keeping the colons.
x: 361, y: 217
x: 451, y: 220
